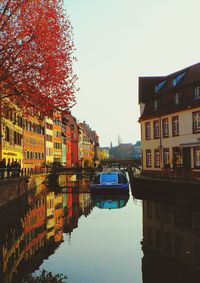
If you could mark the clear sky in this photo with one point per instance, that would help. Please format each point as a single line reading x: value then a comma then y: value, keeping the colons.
x: 119, y: 40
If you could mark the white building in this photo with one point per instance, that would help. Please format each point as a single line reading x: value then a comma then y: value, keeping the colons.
x: 170, y: 120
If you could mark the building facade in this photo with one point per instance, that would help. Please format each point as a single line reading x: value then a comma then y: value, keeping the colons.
x: 74, y: 140
x: 12, y: 135
x: 49, y: 140
x: 170, y: 120
x: 34, y: 143
x: 57, y: 138
x: 93, y: 138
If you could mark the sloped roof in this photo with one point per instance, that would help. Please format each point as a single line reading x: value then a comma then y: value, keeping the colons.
x: 147, y: 84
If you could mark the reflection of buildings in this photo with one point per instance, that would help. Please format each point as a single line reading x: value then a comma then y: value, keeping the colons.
x: 31, y: 238
x: 35, y: 235
x: 58, y: 217
x: 50, y: 215
x: 85, y: 204
x: 23, y: 240
x: 171, y: 243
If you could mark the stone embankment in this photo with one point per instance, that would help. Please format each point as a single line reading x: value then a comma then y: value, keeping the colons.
x: 13, y: 189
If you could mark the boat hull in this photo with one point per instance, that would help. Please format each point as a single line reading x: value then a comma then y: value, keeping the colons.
x: 118, y: 188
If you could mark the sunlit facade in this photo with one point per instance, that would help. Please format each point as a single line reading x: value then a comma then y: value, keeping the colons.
x: 170, y: 121
x: 34, y: 143
x: 49, y: 140
x: 57, y: 138
x: 12, y: 135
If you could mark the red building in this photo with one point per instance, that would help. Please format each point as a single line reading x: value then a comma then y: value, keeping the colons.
x: 68, y: 147
x: 74, y: 139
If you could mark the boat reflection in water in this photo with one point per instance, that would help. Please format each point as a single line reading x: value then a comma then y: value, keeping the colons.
x: 171, y: 237
x: 31, y: 234
x: 110, y: 201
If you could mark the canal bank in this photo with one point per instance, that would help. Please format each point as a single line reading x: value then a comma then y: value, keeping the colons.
x: 14, y: 190
x: 164, y: 183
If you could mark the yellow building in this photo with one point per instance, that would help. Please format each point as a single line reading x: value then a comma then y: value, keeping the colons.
x: 49, y: 140
x: 50, y: 215
x: 103, y: 153
x: 12, y: 133
x: 57, y: 138
x: 88, y: 151
x: 87, y: 146
x: 170, y: 121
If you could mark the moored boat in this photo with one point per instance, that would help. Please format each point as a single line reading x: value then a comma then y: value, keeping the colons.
x: 111, y: 181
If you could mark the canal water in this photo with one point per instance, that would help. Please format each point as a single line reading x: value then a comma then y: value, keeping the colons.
x: 133, y: 238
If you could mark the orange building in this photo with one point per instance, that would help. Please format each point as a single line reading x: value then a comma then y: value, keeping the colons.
x: 34, y: 143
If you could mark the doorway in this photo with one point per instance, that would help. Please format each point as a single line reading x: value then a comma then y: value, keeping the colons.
x: 186, y: 152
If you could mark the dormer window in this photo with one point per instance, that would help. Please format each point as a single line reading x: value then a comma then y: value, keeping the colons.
x: 178, y: 78
x: 159, y: 86
x: 197, y: 93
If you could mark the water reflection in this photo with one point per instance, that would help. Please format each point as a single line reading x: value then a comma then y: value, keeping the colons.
x: 110, y: 201
x: 37, y: 230
x: 171, y: 237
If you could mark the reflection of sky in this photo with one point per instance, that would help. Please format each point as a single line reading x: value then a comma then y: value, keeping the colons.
x: 104, y: 248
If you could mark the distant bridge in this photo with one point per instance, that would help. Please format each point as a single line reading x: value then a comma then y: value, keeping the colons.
x: 122, y: 163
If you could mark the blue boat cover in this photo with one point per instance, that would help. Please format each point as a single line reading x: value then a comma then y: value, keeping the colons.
x: 111, y: 177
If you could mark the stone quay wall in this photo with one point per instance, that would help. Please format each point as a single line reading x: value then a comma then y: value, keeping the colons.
x: 13, y: 189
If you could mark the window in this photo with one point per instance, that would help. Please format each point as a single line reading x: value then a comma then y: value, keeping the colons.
x: 197, y: 93
x: 175, y: 126
x: 148, y: 158
x: 49, y: 138
x: 155, y: 105
x: 159, y: 86
x: 165, y: 127
x: 178, y: 78
x: 197, y: 156
x: 57, y: 145
x: 177, y: 98
x: 156, y: 129
x: 57, y: 134
x: 166, y: 156
x: 49, y: 151
x: 147, y: 130
x: 7, y: 134
x: 49, y: 126
x: 57, y: 122
x: 156, y: 158
x: 20, y: 121
x: 196, y: 122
